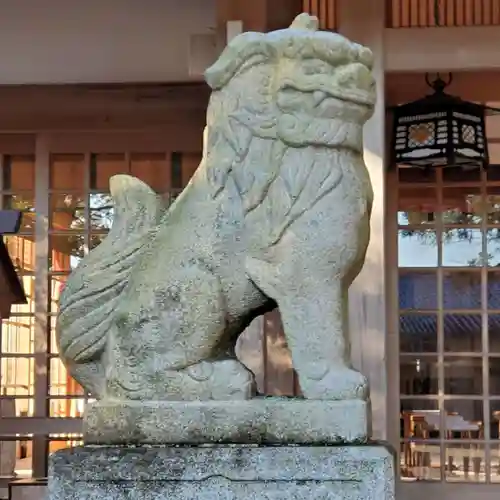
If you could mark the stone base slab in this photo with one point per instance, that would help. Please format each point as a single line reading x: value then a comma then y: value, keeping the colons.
x: 364, y: 472
x: 257, y: 421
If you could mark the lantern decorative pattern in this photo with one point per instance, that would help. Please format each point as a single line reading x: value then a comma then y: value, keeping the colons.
x: 440, y: 130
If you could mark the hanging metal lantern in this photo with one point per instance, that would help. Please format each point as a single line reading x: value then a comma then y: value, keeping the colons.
x: 440, y: 130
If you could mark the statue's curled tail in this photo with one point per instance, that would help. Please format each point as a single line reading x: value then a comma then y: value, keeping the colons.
x: 93, y: 290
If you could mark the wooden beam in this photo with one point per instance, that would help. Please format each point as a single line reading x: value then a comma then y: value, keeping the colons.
x: 441, y: 49
x: 482, y: 86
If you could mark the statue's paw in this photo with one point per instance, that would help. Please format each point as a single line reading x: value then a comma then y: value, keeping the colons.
x: 338, y: 383
x: 221, y: 380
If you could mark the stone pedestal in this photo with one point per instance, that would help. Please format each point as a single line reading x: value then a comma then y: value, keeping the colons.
x: 364, y: 472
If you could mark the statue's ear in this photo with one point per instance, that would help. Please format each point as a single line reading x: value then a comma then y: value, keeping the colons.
x: 248, y: 47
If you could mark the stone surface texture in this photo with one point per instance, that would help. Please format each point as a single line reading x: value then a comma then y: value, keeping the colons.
x: 223, y: 472
x: 268, y: 421
x: 277, y: 213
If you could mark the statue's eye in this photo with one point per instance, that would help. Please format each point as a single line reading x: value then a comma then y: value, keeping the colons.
x: 315, y: 67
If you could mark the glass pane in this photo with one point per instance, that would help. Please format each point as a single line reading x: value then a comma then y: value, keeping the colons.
x: 67, y: 171
x: 420, y: 419
x: 494, y: 333
x: 494, y: 367
x: 26, y: 204
x: 463, y: 376
x: 52, y: 338
x: 492, y: 204
x: 417, y: 248
x: 465, y: 462
x: 17, y: 335
x: 495, y: 420
x: 153, y: 169
x: 420, y: 461
x: 96, y: 240
x: 67, y: 212
x: 16, y: 459
x: 464, y: 418
x: 418, y: 376
x: 56, y: 284
x: 60, y: 382
x: 493, y: 247
x: 461, y: 290
x: 462, y: 247
x: 413, y: 175
x: 22, y: 252
x: 18, y: 173
x: 103, y: 167
x: 101, y: 211
x: 418, y: 333
x: 462, y: 332
x: 493, y: 290
x: 66, y: 407
x: 16, y: 406
x: 458, y: 174
x: 66, y: 251
x: 28, y: 283
x: 462, y: 205
x: 495, y: 464
x: 17, y: 376
x: 418, y: 290
x: 417, y: 205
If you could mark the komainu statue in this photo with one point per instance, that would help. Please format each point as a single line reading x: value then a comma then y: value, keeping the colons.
x: 276, y: 214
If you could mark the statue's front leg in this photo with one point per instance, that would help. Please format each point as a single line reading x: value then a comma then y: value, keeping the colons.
x: 313, y: 320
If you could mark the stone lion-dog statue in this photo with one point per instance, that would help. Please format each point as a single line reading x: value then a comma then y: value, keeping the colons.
x: 277, y: 213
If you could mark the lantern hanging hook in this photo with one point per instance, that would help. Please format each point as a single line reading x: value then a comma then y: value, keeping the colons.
x: 438, y: 85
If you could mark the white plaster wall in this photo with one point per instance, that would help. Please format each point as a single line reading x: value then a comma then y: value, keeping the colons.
x: 96, y: 41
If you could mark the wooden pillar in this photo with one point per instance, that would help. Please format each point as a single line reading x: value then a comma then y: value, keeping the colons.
x: 371, y: 338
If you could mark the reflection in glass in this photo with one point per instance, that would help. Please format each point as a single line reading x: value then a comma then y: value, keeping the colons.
x: 464, y: 418
x: 67, y: 171
x: 60, y: 382
x: 96, y: 240
x: 462, y: 205
x: 16, y: 406
x: 494, y: 419
x: 416, y: 206
x: 492, y: 204
x: 22, y: 252
x: 418, y: 375
x: 65, y: 441
x: 462, y: 332
x: 420, y: 421
x: 101, y: 211
x: 17, y: 458
x: 462, y: 247
x: 494, y: 333
x: 56, y: 286
x: 25, y: 203
x: 417, y: 290
x: 28, y: 283
x: 65, y: 251
x: 461, y: 290
x: 17, y: 335
x: 463, y: 375
x: 67, y: 407
x: 417, y: 248
x: 17, y: 376
x: 493, y: 247
x: 67, y: 212
x: 418, y: 333
x: 494, y: 369
x: 495, y: 464
x: 465, y: 462
x: 493, y: 290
